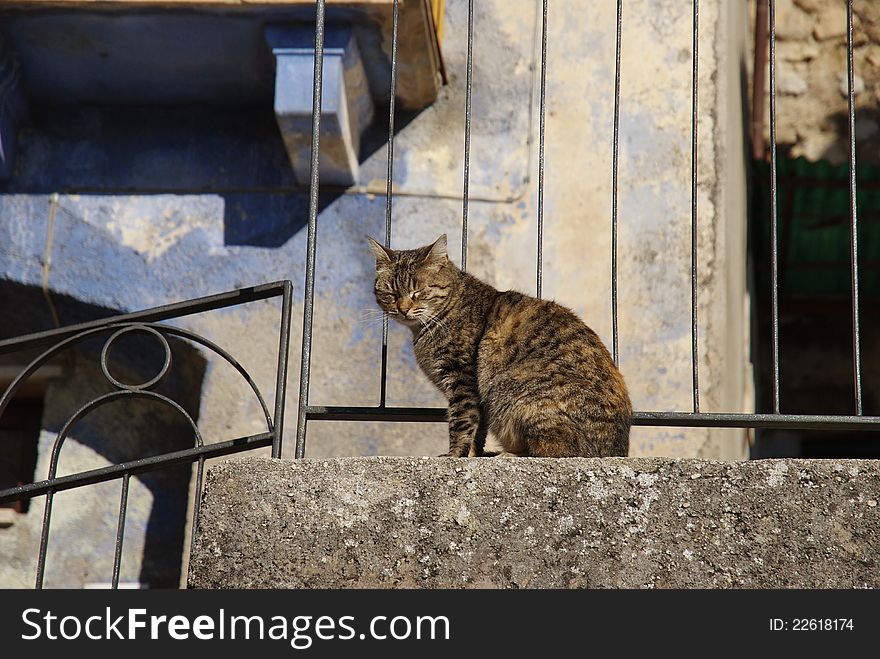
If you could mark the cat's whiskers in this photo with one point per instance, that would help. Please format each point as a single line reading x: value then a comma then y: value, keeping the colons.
x: 371, y: 317
x: 433, y: 324
x: 427, y: 330
x: 439, y: 323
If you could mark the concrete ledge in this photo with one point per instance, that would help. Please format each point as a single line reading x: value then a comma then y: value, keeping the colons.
x: 617, y: 523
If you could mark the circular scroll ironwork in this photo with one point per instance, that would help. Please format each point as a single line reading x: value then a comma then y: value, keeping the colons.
x: 139, y: 329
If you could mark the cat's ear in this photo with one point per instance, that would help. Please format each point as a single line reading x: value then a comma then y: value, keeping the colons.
x: 383, y: 254
x: 437, y: 252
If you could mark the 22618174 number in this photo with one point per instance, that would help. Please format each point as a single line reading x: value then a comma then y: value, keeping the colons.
x: 811, y: 624
x: 821, y: 624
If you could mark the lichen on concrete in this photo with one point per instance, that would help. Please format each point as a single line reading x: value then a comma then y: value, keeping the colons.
x: 385, y: 522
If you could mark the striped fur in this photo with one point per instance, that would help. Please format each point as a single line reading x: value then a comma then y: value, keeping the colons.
x: 529, y: 371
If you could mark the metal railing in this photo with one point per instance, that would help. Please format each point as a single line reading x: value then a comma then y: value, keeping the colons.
x: 147, y: 322
x: 691, y: 418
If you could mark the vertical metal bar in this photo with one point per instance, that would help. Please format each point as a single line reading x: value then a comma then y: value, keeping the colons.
x: 542, y: 114
x: 44, y: 540
x: 281, y: 375
x: 615, y: 151
x: 389, y: 192
x: 197, y: 503
x: 309, y: 297
x: 120, y: 529
x: 467, y: 135
x: 695, y: 357
x: 853, y: 240
x: 774, y: 212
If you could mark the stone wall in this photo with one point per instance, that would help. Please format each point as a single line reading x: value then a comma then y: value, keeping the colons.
x: 538, y: 523
x: 811, y: 79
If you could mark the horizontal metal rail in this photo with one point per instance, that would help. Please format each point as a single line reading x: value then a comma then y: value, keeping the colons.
x: 154, y: 314
x: 725, y: 420
x: 674, y: 419
x: 139, y: 466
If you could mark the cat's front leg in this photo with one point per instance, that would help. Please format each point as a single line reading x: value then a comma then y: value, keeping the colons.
x: 478, y: 447
x: 466, y: 434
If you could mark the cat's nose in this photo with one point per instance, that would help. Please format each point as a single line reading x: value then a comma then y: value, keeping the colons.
x: 404, y: 305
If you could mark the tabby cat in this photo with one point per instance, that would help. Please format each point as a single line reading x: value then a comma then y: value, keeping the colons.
x: 529, y: 371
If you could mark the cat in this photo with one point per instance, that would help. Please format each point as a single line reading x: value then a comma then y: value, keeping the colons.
x: 527, y: 370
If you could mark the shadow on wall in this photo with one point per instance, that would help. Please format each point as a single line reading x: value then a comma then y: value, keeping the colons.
x: 235, y: 153
x: 830, y: 141
x: 118, y: 432
x: 867, y: 125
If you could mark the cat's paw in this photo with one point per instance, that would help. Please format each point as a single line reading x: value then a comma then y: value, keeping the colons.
x: 452, y: 454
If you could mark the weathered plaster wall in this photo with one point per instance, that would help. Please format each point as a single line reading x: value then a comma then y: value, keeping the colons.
x: 83, y: 529
x: 538, y: 523
x: 654, y: 206
x: 176, y: 246
x: 84, y: 521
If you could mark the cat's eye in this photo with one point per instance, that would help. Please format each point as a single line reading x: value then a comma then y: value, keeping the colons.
x: 418, y: 294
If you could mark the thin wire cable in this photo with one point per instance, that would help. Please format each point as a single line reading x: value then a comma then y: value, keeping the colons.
x: 774, y: 212
x: 47, y: 258
x: 309, y: 297
x: 694, y: 320
x: 853, y: 207
x: 467, y: 135
x: 388, y: 193
x: 615, y: 151
x: 542, y: 114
